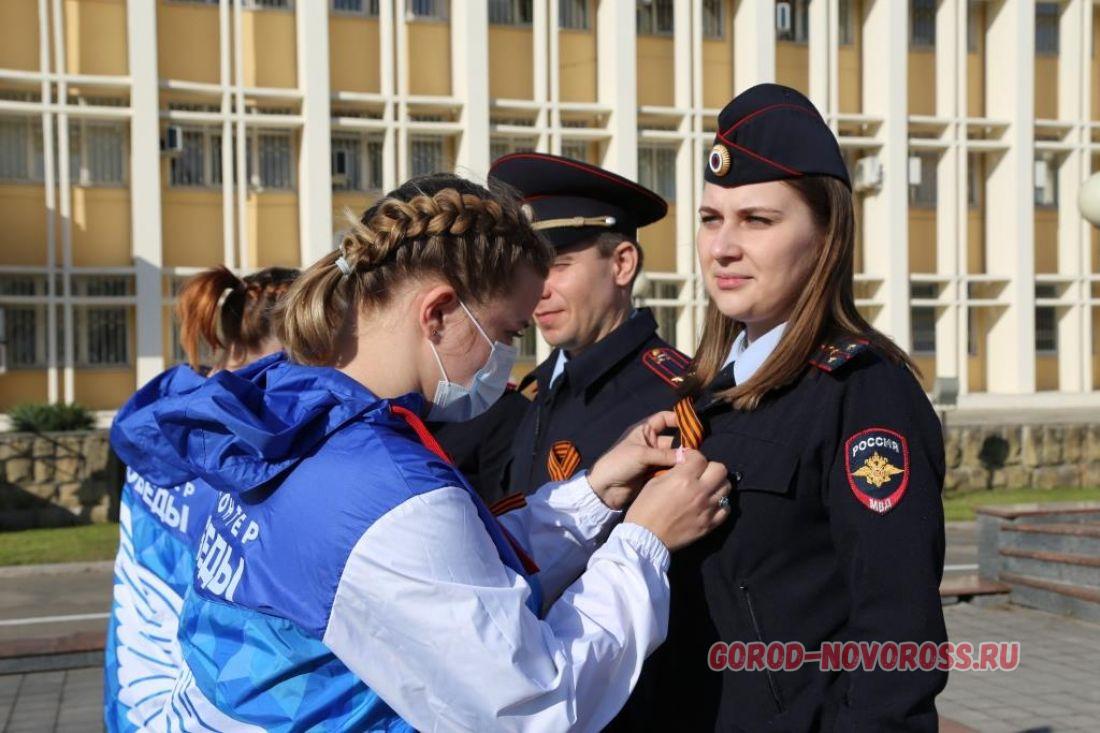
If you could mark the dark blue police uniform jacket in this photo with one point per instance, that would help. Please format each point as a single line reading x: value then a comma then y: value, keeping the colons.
x: 625, y: 377
x: 836, y: 534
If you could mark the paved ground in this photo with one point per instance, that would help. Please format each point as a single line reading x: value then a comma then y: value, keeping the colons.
x: 31, y: 605
x: 69, y: 701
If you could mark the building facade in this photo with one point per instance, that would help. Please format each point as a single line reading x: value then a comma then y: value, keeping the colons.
x: 143, y: 140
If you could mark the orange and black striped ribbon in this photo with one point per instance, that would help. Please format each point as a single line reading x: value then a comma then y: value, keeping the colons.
x: 562, y: 460
x: 691, y: 428
x: 508, y: 503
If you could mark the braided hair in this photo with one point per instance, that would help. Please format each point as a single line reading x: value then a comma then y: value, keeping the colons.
x: 473, y: 239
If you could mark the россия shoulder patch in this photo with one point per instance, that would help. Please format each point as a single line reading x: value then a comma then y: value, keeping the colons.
x: 876, y: 462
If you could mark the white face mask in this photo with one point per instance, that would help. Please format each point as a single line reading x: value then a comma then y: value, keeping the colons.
x: 456, y: 403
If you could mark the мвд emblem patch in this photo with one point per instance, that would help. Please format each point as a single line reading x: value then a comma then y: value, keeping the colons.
x: 876, y: 462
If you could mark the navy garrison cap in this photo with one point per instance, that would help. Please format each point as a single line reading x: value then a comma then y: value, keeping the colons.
x: 570, y: 201
x: 771, y: 133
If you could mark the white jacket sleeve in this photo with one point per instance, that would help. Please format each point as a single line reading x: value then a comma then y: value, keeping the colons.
x: 432, y: 620
x: 560, y: 527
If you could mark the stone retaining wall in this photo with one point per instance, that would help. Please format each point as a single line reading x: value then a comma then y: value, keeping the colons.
x: 1022, y: 456
x: 54, y: 479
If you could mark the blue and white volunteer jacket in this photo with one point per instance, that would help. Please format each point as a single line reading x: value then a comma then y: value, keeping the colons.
x: 349, y: 578
x: 158, y: 528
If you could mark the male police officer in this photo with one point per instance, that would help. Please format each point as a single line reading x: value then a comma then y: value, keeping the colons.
x: 609, y: 369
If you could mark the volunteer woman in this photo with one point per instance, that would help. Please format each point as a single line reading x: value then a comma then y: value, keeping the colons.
x: 834, y: 450
x: 229, y: 319
x: 349, y: 578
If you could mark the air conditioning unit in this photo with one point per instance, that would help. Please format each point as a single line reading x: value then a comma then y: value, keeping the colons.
x: 783, y: 17
x: 867, y: 174
x: 172, y: 142
x: 340, y: 166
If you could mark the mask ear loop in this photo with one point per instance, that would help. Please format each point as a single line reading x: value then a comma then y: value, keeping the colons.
x: 492, y: 344
x: 435, y: 353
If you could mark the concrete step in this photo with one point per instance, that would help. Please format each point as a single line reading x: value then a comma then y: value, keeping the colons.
x: 961, y: 587
x: 1060, y: 567
x: 1039, y: 513
x: 1074, y: 538
x: 1062, y: 598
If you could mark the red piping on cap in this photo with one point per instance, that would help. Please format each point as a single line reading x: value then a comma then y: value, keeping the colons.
x: 587, y: 169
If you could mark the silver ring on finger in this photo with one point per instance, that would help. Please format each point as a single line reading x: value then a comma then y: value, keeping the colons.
x: 724, y: 503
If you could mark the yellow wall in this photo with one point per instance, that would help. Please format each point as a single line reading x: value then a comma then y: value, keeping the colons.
x: 273, y: 229
x: 95, y: 36
x: 353, y: 52
x: 577, y: 64
x: 19, y: 34
x: 103, y: 389
x: 511, y: 63
x: 1046, y: 87
x: 192, y: 229
x: 1096, y: 348
x: 922, y: 82
x: 975, y: 85
x: 655, y: 67
x: 927, y: 366
x: 1046, y: 372
x: 792, y: 65
x: 718, y: 64
x: 851, y: 79
x: 975, y: 248
x: 18, y: 386
x: 101, y: 227
x: 658, y: 242
x: 1046, y: 240
x: 270, y: 49
x: 1096, y: 66
x: 23, y: 235
x: 922, y: 240
x: 976, y: 364
x: 187, y: 42
x: 354, y: 201
x: 430, y: 58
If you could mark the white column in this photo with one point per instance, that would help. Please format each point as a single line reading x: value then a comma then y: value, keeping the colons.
x: 145, y: 227
x: 314, y: 158
x: 540, y: 49
x: 470, y: 82
x: 687, y: 25
x: 65, y: 206
x: 1010, y: 213
x: 52, y: 387
x: 951, y: 205
x: 753, y: 43
x: 388, y: 69
x: 886, y: 213
x: 616, y: 31
x: 821, y: 55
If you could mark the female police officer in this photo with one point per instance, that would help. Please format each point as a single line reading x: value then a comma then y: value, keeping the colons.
x: 349, y: 578
x: 835, y: 453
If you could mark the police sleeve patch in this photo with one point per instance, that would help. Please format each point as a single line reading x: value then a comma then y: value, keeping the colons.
x: 876, y: 462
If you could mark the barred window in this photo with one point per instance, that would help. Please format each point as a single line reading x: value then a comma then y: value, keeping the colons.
x: 975, y: 180
x: 575, y: 149
x: 654, y: 17
x: 362, y: 157
x: 792, y: 21
x: 1046, y: 29
x: 665, y: 315
x: 657, y: 170
x: 922, y: 180
x: 510, y: 12
x: 25, y: 343
x: 187, y: 168
x: 713, y: 19
x: 275, y: 169
x: 501, y: 146
x: 102, y: 331
x: 367, y: 7
x: 573, y: 14
x: 1046, y: 330
x: 846, y: 23
x: 426, y: 156
x: 922, y: 23
x: 269, y: 4
x: 96, y: 153
x: 972, y: 332
x: 20, y: 142
x: 428, y: 9
x: 923, y: 325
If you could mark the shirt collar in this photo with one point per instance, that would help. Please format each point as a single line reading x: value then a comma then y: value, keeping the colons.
x: 599, y: 358
x: 559, y: 367
x: 747, y: 357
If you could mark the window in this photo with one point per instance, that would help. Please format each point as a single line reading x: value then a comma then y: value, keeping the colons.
x: 188, y: 168
x: 657, y: 170
x: 96, y: 153
x: 922, y: 180
x: 428, y: 9
x: 792, y: 21
x: 528, y: 343
x: 975, y: 26
x: 846, y: 23
x: 713, y: 25
x: 1046, y: 182
x: 21, y: 155
x: 273, y: 150
x: 24, y: 325
x: 1046, y: 29
x: 362, y: 7
x: 510, y: 12
x: 654, y: 17
x: 361, y: 158
x: 573, y: 14
x: 1046, y: 330
x: 972, y: 331
x: 102, y: 331
x: 975, y: 180
x: 922, y: 23
x: 501, y: 146
x: 269, y: 4
x: 923, y: 318
x: 426, y: 156
x: 666, y: 315
x: 575, y: 149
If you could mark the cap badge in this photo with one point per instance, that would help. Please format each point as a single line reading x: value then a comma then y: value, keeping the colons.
x: 719, y: 160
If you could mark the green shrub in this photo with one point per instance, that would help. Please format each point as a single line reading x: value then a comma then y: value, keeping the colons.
x: 50, y: 418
